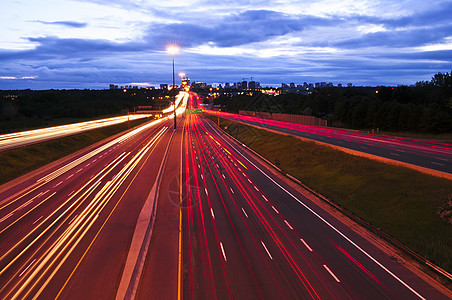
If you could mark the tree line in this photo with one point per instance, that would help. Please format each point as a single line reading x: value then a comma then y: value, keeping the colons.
x: 425, y: 107
x: 28, y: 109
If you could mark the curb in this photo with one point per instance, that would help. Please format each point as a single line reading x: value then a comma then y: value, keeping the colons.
x: 141, y: 240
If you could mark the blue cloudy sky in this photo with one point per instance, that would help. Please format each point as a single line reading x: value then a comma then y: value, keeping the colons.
x: 91, y: 43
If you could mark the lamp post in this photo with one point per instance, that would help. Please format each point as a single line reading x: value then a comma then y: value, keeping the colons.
x: 173, y: 50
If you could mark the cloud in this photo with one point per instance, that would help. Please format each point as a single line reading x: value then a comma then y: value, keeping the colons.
x: 233, y: 30
x: 65, y: 23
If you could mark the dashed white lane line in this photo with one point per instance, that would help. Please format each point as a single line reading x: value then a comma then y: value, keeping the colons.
x: 70, y: 176
x: 288, y: 224
x: 244, y: 212
x: 306, y: 245
x: 58, y: 184
x: 211, y: 212
x: 266, y: 250
x: 6, y: 217
x: 265, y: 198
x: 274, y: 208
x: 206, y: 191
x: 232, y: 190
x: 395, y: 154
x: 255, y: 187
x: 27, y: 267
x: 202, y: 177
x: 436, y: 163
x: 37, y: 220
x: 443, y: 159
x: 223, y: 176
x: 222, y: 250
x: 331, y: 273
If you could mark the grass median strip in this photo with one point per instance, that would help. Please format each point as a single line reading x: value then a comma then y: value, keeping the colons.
x: 17, y: 162
x: 412, y: 207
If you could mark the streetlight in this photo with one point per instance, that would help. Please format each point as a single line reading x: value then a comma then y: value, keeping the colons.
x: 173, y: 50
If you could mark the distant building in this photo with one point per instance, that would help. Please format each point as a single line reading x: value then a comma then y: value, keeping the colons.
x: 198, y: 85
x: 292, y: 85
x: 113, y: 86
x: 163, y: 86
x: 244, y: 85
x: 349, y: 85
x: 252, y: 85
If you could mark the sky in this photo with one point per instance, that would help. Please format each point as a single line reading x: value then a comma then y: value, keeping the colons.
x: 65, y: 44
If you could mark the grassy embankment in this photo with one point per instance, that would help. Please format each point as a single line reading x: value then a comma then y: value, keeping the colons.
x: 17, y: 162
x: 402, y: 202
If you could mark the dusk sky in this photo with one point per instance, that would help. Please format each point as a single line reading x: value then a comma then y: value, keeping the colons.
x: 90, y: 44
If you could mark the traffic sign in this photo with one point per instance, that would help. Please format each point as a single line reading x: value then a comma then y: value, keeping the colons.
x: 193, y: 111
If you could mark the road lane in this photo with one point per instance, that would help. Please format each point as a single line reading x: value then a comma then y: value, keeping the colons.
x: 425, y: 154
x: 51, y: 221
x: 24, y: 138
x: 248, y: 234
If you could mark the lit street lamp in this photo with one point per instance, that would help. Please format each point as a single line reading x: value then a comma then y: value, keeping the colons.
x: 173, y: 50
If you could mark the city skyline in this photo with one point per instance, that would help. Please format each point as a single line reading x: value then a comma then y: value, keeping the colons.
x: 89, y: 44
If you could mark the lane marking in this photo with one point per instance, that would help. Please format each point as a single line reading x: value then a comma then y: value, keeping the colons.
x: 265, y: 198
x: 27, y: 267
x: 37, y: 220
x: 70, y: 176
x: 72, y: 219
x: 288, y: 225
x: 244, y: 212
x: 6, y: 217
x: 306, y: 245
x: 395, y: 154
x: 206, y: 191
x: 255, y: 187
x: 58, y: 184
x: 222, y: 250
x: 211, y: 212
x: 223, y: 176
x: 443, y: 159
x: 267, y: 250
x: 274, y: 208
x: 331, y: 273
x: 232, y: 190
x: 202, y: 177
x: 436, y: 163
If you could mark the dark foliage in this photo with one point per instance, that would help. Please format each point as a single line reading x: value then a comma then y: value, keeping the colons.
x: 427, y: 107
x: 29, y: 109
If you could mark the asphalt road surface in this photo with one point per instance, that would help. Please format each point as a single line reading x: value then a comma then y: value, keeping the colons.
x: 430, y: 155
x: 249, y: 235
x: 65, y: 233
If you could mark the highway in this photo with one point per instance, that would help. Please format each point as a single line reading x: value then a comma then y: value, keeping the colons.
x: 66, y: 232
x: 424, y: 154
x: 226, y: 227
x: 24, y: 138
x: 248, y: 234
